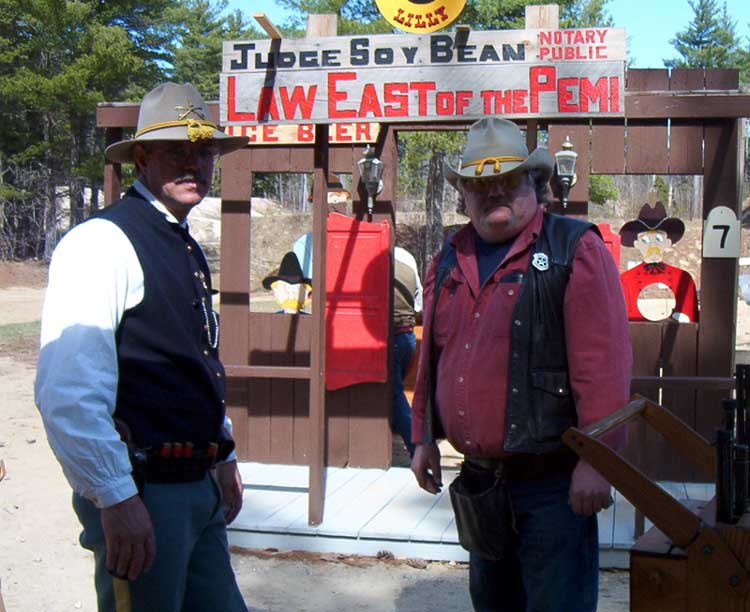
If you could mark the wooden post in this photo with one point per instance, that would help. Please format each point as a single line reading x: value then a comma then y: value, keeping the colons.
x: 317, y: 429
x: 318, y: 25
x: 542, y: 16
x: 112, y: 171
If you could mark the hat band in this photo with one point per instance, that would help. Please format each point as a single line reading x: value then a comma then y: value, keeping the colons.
x: 496, y: 161
x: 196, y: 129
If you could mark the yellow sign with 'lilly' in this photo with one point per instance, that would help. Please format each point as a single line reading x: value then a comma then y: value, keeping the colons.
x: 421, y: 16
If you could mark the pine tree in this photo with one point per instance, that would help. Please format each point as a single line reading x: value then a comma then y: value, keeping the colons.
x: 710, y: 40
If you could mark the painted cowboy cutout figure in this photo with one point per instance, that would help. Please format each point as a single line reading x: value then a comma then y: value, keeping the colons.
x: 652, y: 233
x: 292, y: 290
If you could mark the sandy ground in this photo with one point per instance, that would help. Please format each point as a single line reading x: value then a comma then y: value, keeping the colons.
x: 42, y: 567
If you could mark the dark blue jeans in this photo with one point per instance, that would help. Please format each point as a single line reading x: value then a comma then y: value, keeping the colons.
x: 403, y: 351
x: 555, y: 565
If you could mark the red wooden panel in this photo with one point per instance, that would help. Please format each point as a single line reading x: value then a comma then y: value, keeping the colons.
x: 612, y: 240
x: 647, y: 79
x: 646, y: 147
x: 259, y: 389
x: 357, y: 316
x: 687, y: 79
x: 685, y: 147
x: 608, y: 148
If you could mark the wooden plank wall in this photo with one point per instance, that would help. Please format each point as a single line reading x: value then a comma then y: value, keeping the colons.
x: 270, y: 416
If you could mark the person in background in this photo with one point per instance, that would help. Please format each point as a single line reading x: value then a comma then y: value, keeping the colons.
x: 407, y: 305
x: 525, y: 334
x: 129, y: 382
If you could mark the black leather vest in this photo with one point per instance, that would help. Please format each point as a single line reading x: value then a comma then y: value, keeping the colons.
x: 540, y: 404
x: 171, y: 382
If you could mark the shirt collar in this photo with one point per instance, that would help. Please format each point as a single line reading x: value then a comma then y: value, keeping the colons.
x: 151, y: 198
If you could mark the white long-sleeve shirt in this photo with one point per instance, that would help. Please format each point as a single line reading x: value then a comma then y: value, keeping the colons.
x: 94, y: 278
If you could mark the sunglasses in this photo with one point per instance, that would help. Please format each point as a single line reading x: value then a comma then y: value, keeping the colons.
x: 178, y: 152
x: 509, y: 183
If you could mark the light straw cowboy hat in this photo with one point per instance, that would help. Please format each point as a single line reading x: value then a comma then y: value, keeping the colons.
x: 495, y: 147
x: 174, y: 112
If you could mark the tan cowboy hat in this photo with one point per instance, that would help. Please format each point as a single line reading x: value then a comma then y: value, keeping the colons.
x: 652, y: 218
x: 174, y: 112
x: 495, y: 147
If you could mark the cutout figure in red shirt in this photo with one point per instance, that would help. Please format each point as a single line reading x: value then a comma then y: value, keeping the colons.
x: 652, y: 233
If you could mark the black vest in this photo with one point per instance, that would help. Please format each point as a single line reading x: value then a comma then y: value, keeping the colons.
x: 171, y: 382
x: 540, y: 404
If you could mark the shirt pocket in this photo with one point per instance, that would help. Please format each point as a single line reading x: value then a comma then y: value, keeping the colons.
x: 504, y: 299
x: 448, y: 316
x: 552, y: 405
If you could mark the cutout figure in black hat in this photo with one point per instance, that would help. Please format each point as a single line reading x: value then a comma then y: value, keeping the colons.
x: 652, y: 233
x: 292, y: 290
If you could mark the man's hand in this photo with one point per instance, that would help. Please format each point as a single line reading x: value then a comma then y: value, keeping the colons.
x: 129, y: 537
x: 230, y: 483
x: 426, y: 467
x: 589, y: 492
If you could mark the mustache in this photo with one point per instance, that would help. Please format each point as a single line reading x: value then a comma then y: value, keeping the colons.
x: 189, y: 177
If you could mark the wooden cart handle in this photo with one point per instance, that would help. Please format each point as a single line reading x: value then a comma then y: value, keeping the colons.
x: 689, y: 443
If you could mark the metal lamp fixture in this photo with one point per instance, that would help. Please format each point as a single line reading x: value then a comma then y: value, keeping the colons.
x: 565, y: 160
x: 370, y: 173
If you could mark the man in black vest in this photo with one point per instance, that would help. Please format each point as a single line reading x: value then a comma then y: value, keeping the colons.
x: 129, y: 382
x: 525, y: 335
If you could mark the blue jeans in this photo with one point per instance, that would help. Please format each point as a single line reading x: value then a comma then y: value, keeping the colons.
x: 403, y: 350
x: 555, y: 565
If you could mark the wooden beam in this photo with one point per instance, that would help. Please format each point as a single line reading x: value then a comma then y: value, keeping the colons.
x: 542, y: 17
x: 246, y: 371
x: 686, y: 106
x: 321, y: 25
x: 267, y: 25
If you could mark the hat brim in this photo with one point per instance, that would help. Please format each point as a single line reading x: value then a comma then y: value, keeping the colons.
x: 123, y: 151
x: 673, y: 227
x: 539, y: 160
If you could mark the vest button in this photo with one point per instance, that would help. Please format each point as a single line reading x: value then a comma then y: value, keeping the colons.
x: 510, y: 292
x: 517, y: 322
x: 477, y: 315
x: 460, y: 379
x: 467, y: 346
x: 514, y: 390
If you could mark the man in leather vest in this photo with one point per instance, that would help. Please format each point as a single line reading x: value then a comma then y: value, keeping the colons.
x: 525, y: 335
x: 129, y: 382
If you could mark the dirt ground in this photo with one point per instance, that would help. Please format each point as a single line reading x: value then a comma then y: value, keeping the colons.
x: 42, y: 567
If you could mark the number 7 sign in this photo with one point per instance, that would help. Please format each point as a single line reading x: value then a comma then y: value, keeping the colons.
x: 721, y: 233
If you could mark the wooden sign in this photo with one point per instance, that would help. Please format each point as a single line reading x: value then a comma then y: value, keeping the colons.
x: 438, y: 77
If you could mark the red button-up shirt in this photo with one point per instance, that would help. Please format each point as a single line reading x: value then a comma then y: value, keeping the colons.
x: 472, y: 341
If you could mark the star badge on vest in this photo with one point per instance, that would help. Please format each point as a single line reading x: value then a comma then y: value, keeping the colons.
x: 540, y: 261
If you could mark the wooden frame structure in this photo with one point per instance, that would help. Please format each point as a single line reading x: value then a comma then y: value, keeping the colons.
x: 683, y: 122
